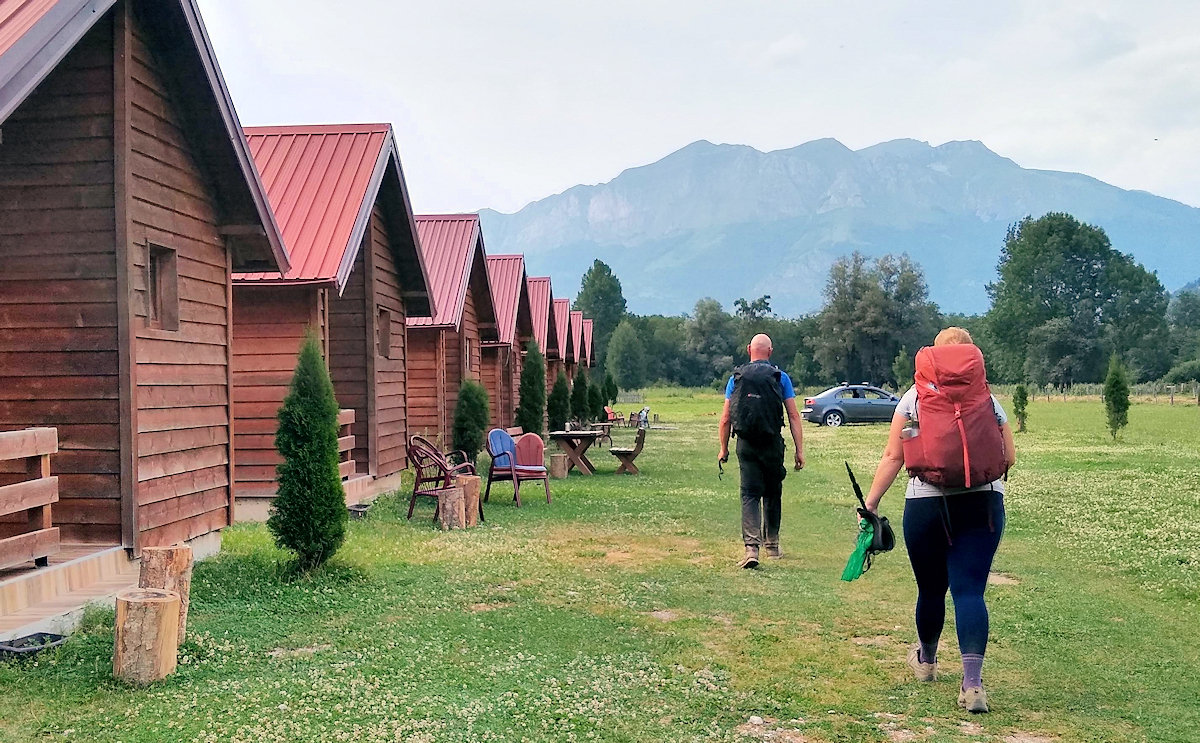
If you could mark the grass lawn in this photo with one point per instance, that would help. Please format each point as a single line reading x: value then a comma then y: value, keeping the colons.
x: 616, y: 614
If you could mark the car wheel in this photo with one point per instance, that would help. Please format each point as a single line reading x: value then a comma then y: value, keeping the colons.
x: 834, y: 418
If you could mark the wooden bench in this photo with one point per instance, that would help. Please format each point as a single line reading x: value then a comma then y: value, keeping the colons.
x: 33, y: 496
x: 627, y: 455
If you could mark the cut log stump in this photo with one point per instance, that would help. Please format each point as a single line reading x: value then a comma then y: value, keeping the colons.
x: 147, y: 637
x: 169, y: 568
x: 471, y: 485
x: 451, y: 508
x: 558, y: 466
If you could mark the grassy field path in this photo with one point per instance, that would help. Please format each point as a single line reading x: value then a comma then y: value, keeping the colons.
x: 616, y: 614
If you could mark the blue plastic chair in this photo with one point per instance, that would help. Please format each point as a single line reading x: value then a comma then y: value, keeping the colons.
x: 507, y: 464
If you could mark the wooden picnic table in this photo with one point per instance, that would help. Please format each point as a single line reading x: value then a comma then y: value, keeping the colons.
x: 575, y: 444
x: 605, y: 429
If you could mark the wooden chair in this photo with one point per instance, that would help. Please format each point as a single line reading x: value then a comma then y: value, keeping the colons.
x: 627, y: 455
x: 516, y: 461
x: 631, y: 421
x: 615, y: 418
x: 433, y: 471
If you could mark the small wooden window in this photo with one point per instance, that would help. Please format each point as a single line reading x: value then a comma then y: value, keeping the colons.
x: 470, y: 356
x: 384, y: 330
x: 162, y: 289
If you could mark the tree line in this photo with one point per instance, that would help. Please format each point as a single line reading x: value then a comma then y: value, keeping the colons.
x: 1063, y: 304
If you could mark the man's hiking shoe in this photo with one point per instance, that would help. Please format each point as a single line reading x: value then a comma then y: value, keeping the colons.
x: 923, y: 671
x: 774, y: 552
x: 973, y: 699
x: 751, y: 558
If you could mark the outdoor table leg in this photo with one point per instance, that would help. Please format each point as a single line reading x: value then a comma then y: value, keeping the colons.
x: 574, y: 449
x: 583, y: 447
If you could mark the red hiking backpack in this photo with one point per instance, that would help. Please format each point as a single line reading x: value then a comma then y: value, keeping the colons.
x: 959, y: 444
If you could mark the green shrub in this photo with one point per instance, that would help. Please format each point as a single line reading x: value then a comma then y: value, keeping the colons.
x: 531, y: 403
x: 596, y: 400
x: 581, y: 404
x: 308, y: 515
x: 1116, y: 396
x: 1020, y: 406
x: 1188, y: 371
x: 610, y: 388
x: 558, y: 410
x: 471, y: 418
x: 626, y: 357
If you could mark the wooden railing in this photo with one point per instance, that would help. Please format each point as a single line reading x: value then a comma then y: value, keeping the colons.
x: 33, y: 496
x: 345, y: 444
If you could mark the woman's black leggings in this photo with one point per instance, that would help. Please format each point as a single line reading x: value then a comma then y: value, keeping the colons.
x: 951, y: 542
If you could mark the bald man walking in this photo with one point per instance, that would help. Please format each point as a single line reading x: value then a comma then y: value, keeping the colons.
x: 756, y: 397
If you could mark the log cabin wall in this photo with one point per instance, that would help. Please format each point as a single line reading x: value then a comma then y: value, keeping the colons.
x: 350, y: 365
x: 182, y: 374
x: 269, y: 323
x: 58, y: 310
x: 462, y: 357
x: 491, y: 375
x: 391, y: 400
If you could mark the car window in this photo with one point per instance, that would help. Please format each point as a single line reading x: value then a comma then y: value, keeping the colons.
x: 876, y: 395
x: 845, y: 394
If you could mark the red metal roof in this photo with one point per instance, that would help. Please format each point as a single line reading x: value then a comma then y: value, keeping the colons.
x: 18, y: 16
x: 318, y: 180
x: 450, y: 245
x: 587, y: 341
x: 541, y: 298
x: 577, y: 334
x: 506, y: 273
x: 562, y: 322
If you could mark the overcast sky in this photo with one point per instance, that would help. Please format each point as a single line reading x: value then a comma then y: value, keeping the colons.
x: 500, y: 103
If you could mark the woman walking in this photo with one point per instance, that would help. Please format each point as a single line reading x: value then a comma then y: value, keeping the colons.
x: 954, y: 439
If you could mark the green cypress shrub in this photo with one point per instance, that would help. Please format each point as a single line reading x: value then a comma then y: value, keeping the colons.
x: 610, y: 389
x: 1116, y: 396
x: 531, y: 402
x: 596, y: 400
x: 581, y: 404
x: 558, y: 410
x: 471, y: 418
x: 1020, y: 406
x: 308, y: 515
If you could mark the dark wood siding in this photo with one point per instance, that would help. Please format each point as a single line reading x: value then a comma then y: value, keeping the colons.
x: 349, y: 363
x: 426, y: 389
x: 391, y: 402
x: 58, y: 289
x: 269, y: 323
x: 491, y: 374
x: 182, y: 376
x: 458, y: 365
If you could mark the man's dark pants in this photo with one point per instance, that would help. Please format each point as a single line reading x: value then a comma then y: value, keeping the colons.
x: 762, y: 473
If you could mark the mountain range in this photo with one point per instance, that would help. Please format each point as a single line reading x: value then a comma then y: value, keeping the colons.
x: 729, y: 221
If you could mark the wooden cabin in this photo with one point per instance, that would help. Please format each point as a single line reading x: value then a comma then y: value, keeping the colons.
x: 502, y: 360
x: 589, y: 359
x: 128, y: 196
x: 339, y: 195
x: 566, y: 339
x: 445, y: 349
x: 577, y: 340
x: 545, y: 333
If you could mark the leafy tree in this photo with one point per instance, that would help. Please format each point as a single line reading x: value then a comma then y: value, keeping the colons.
x: 558, y: 409
x: 872, y: 310
x: 755, y: 310
x: 626, y: 360
x: 1064, y: 350
x: 600, y: 298
x: 471, y: 418
x: 581, y: 404
x: 801, y: 370
x: 1183, y: 316
x: 1049, y: 267
x: 1021, y: 406
x: 610, y: 389
x: 903, y: 369
x: 712, y: 340
x: 531, y: 402
x: 1116, y: 396
x: 1188, y: 371
x: 308, y: 515
x: 596, y: 401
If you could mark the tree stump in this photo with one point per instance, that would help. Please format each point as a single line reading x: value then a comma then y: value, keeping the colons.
x: 558, y: 466
x: 147, y: 637
x: 170, y: 569
x: 471, y: 485
x: 451, y: 510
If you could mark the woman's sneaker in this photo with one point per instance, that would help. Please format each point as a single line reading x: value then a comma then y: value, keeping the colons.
x: 923, y: 671
x: 973, y: 699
